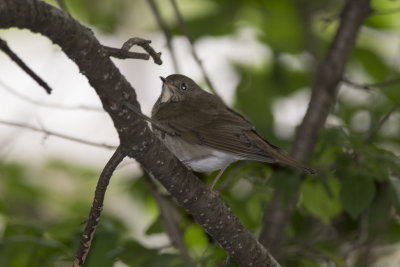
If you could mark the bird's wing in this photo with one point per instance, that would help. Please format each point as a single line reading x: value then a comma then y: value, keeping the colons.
x: 216, y: 126
x: 213, y: 125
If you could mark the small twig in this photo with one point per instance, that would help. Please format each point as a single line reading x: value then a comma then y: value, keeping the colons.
x: 166, y: 32
x: 372, y: 85
x: 47, y: 105
x: 62, y: 5
x: 145, y: 44
x: 186, y: 32
x: 169, y: 223
x: 97, y: 206
x: 382, y: 121
x: 6, y: 49
x: 154, y: 123
x: 50, y: 133
x: 362, y: 237
x: 123, y: 54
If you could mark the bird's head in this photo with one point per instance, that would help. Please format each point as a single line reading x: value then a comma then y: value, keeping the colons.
x: 177, y: 87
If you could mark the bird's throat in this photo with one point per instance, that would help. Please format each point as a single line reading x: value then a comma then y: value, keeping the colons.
x: 166, y: 94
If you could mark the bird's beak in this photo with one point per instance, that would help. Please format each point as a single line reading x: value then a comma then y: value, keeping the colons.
x: 167, y: 84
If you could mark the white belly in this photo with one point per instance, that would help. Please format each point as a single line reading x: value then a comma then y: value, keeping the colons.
x: 197, y: 157
x: 217, y: 161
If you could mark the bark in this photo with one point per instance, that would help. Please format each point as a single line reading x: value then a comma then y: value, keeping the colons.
x: 136, y: 139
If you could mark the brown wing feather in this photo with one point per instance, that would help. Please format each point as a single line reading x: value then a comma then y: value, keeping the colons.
x: 218, y: 127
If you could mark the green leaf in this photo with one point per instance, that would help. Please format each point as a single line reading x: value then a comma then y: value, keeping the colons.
x: 385, y: 20
x: 216, y: 20
x: 105, y: 15
x: 156, y: 227
x: 373, y: 63
x: 26, y: 246
x: 102, y: 253
x: 356, y: 194
x: 286, y: 182
x: 134, y: 254
x: 196, y: 240
x: 380, y: 208
x: 320, y: 202
x: 283, y: 34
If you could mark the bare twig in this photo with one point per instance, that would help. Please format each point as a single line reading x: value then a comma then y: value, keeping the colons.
x: 166, y: 32
x: 62, y: 5
x: 123, y: 54
x: 6, y: 49
x: 154, y: 123
x: 372, y: 85
x: 168, y: 221
x: 50, y: 133
x: 97, y: 206
x: 186, y: 32
x: 362, y: 237
x: 145, y: 44
x: 382, y: 121
x: 47, y: 105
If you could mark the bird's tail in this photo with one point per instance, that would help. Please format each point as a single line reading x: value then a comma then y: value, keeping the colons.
x: 282, y: 157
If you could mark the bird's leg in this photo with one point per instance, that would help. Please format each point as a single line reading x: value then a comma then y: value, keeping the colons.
x: 217, y: 177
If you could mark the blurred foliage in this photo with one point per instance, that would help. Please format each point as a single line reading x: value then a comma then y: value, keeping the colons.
x: 345, y: 214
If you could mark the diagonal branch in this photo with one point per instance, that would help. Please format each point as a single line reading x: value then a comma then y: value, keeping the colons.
x: 136, y: 139
x: 186, y: 32
x: 382, y: 121
x: 383, y: 84
x: 97, y: 206
x: 166, y: 32
x: 62, y: 5
x: 323, y: 97
x: 7, y: 50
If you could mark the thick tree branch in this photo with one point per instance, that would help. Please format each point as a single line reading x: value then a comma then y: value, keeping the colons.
x: 329, y: 76
x: 137, y: 140
x: 97, y: 207
x: 323, y: 97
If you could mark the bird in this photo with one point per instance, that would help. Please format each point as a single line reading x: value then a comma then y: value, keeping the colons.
x: 205, y: 134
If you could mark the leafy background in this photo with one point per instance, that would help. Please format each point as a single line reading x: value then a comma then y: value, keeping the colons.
x: 347, y: 215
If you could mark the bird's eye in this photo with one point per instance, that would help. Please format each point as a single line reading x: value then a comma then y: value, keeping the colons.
x: 183, y: 86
